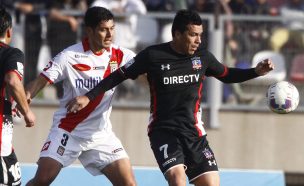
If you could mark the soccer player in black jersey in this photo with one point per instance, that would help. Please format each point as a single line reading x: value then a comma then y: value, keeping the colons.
x: 175, y: 72
x: 11, y: 72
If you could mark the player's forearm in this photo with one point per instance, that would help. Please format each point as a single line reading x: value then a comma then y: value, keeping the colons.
x: 16, y: 90
x: 111, y: 81
x: 236, y: 75
x: 34, y: 87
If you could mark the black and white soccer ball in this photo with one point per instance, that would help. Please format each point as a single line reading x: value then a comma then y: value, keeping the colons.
x: 282, y: 97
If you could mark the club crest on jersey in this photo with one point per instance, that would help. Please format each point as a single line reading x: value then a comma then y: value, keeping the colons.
x: 113, y: 65
x: 196, y: 63
x: 163, y: 67
x: 207, y: 153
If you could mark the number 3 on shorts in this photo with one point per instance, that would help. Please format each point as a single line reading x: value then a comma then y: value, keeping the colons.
x: 165, y: 149
x: 64, y: 139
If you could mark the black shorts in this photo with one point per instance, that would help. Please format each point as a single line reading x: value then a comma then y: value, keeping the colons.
x: 171, y: 149
x: 10, y: 173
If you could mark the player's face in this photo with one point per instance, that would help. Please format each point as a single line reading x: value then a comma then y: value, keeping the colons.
x: 191, y: 39
x: 102, y: 36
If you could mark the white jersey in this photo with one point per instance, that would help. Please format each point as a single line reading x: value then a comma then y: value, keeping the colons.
x: 80, y: 70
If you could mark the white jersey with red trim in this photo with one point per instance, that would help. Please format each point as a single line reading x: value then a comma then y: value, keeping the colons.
x: 80, y: 70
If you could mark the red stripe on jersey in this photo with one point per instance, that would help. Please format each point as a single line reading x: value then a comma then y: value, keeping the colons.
x: 197, y: 105
x: 70, y: 122
x: 48, y: 79
x: 224, y: 73
x: 1, y: 114
x: 16, y: 72
x: 85, y: 44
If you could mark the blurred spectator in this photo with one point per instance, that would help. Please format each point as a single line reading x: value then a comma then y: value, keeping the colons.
x: 63, y: 27
x: 165, y: 5
x: 32, y: 10
x: 258, y: 32
x: 293, y: 31
x: 126, y: 20
x: 122, y: 6
x: 203, y: 6
x: 237, y: 52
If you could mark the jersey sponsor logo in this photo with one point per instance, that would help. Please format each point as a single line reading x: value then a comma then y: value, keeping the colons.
x: 113, y: 65
x: 163, y: 67
x: 46, y: 146
x: 87, y: 83
x: 212, y: 162
x: 81, y: 67
x: 196, y: 63
x: 60, y: 150
x: 20, y: 68
x: 117, y: 150
x: 81, y: 56
x: 99, y: 68
x: 181, y: 79
x: 169, y: 161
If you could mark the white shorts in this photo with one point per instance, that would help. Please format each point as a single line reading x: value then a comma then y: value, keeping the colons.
x: 94, y: 155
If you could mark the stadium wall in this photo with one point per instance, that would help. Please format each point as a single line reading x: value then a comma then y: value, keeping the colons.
x: 244, y: 140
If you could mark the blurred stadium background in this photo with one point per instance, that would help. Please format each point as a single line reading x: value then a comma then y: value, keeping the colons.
x: 242, y: 131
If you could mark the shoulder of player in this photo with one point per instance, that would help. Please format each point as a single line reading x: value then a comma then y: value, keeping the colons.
x: 11, y: 52
x: 122, y: 49
x: 72, y: 50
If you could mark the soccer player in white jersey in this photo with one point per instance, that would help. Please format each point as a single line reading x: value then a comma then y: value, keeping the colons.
x: 88, y: 134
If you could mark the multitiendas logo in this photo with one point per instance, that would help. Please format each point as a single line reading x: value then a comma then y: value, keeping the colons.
x: 87, y: 83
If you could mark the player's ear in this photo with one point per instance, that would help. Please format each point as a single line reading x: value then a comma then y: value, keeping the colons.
x: 9, y: 32
x: 89, y: 30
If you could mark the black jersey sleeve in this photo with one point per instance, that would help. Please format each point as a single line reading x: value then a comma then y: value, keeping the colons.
x: 137, y: 66
x: 14, y: 60
x: 228, y: 75
x: 131, y: 69
x: 109, y: 82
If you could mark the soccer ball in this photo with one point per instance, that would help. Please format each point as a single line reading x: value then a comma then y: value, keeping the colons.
x: 282, y: 97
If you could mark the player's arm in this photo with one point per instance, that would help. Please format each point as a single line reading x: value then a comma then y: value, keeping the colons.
x: 34, y: 87
x: 132, y: 69
x: 16, y: 90
x: 236, y: 75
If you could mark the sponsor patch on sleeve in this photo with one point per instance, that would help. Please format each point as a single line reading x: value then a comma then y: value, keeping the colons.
x: 20, y: 68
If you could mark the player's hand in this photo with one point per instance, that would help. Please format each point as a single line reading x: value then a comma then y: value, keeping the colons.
x: 29, y: 118
x: 77, y: 104
x: 264, y: 67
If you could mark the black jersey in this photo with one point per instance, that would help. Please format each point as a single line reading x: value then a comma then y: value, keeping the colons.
x: 176, y: 85
x: 11, y: 60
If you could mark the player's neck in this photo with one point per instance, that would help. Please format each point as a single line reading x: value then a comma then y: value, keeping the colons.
x: 96, y: 49
x: 175, y: 48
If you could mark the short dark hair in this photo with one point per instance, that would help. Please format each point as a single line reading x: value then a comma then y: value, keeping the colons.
x: 5, y: 21
x: 183, y: 18
x: 95, y: 15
